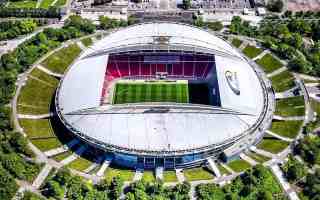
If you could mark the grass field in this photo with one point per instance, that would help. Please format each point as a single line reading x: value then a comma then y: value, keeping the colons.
x: 62, y: 156
x: 40, y: 133
x: 80, y: 164
x: 269, y: 63
x: 59, y: 61
x: 131, y: 92
x: 257, y: 157
x: 86, y: 42
x: 239, y: 165
x: 31, y: 97
x: 288, y: 129
x: 236, y: 42
x: 46, y: 3
x: 223, y: 170
x: 148, y: 176
x: 124, y: 174
x: 60, y: 3
x: 293, y: 106
x: 196, y: 174
x: 283, y: 81
x: 169, y: 176
x: 272, y: 144
x: 252, y: 51
x: 23, y: 4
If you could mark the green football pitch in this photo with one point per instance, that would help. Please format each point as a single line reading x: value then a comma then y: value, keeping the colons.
x: 141, y: 91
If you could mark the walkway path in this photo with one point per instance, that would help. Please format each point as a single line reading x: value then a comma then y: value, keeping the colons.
x: 260, y: 55
x: 138, y: 175
x: 279, y: 136
x: 46, y: 70
x: 44, y: 116
x: 82, y: 47
x: 62, y: 149
x: 276, y: 72
x: 293, y: 118
x: 283, y: 182
x: 42, y: 176
x: 262, y: 152
x: 74, y: 156
x: 104, y: 166
x: 213, y: 167
x: 180, y: 175
x: 248, y: 159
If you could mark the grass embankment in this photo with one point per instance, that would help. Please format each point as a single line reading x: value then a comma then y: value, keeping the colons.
x: 36, y: 95
x: 236, y: 42
x: 239, y: 165
x: 46, y: 3
x: 59, y: 61
x: 196, y: 174
x: 123, y: 173
x: 288, y: 129
x: 87, y: 42
x: 80, y: 164
x: 169, y: 176
x: 283, y: 81
x: 257, y: 157
x: 22, y: 4
x: 272, y: 144
x: 148, y: 176
x: 252, y: 51
x: 293, y: 106
x: 269, y: 63
x: 40, y: 133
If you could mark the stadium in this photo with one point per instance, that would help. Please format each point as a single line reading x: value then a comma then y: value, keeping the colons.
x: 163, y: 94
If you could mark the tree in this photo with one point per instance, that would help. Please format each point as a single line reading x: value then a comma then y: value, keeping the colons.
x: 293, y: 169
x: 275, y: 5
x: 186, y: 4
x: 8, y: 186
x: 55, y: 190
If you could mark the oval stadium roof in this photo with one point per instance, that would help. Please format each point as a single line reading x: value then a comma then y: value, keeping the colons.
x: 82, y: 85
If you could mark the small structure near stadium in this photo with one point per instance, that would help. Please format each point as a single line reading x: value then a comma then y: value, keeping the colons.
x: 163, y: 94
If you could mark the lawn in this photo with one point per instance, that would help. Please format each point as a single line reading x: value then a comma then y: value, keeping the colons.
x: 293, y: 106
x: 37, y: 73
x: 59, y: 61
x: 62, y: 156
x: 283, y: 81
x: 269, y: 63
x: 45, y: 144
x: 87, y: 42
x: 310, y: 81
x: 223, y: 170
x: 37, y: 94
x: 148, y: 176
x: 22, y: 4
x: 126, y: 92
x: 288, y: 129
x: 257, y: 157
x: 124, y: 174
x: 80, y: 164
x: 46, y: 3
x: 252, y: 51
x: 40, y: 133
x: 315, y: 106
x: 236, y: 42
x: 169, y: 176
x: 37, y: 128
x: 272, y: 144
x: 239, y: 165
x: 197, y: 174
x: 27, y: 109
x: 60, y: 3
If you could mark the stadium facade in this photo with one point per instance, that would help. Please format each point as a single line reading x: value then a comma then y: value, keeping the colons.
x: 165, y: 133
